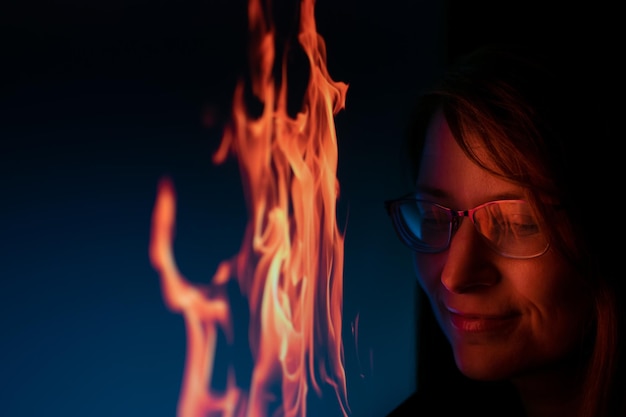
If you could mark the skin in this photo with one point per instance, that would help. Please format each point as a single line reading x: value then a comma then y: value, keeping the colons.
x: 504, y: 318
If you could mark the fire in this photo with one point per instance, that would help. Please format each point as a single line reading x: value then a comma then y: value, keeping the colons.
x: 290, y: 264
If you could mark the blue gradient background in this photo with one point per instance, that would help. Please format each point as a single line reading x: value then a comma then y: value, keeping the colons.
x: 99, y: 102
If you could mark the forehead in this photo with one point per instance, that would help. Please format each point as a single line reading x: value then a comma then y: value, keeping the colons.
x: 447, y: 172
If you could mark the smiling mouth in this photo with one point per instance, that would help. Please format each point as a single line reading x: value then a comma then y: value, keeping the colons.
x: 482, y: 323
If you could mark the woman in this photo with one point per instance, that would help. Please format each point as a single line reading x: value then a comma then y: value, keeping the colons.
x: 514, y: 237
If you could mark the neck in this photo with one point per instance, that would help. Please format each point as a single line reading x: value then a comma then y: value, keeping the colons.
x: 553, y: 393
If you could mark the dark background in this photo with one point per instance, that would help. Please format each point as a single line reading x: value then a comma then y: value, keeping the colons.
x: 100, y: 99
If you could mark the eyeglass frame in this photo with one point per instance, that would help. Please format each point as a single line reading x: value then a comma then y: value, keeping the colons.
x: 455, y: 223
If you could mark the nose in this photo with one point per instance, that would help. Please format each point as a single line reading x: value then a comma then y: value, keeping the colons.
x: 468, y: 266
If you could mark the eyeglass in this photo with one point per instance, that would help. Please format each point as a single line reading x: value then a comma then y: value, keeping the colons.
x: 508, y: 226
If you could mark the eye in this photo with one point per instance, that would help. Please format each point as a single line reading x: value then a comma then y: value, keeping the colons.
x: 524, y: 225
x: 432, y: 215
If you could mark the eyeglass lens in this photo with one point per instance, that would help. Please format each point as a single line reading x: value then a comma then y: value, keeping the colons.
x: 508, y: 225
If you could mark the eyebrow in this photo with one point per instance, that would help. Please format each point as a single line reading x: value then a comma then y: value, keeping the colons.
x: 431, y: 191
x: 438, y: 193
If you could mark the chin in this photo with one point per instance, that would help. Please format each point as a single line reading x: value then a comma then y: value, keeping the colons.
x: 484, y: 366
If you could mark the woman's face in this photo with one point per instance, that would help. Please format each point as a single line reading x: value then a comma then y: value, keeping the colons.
x: 503, y: 317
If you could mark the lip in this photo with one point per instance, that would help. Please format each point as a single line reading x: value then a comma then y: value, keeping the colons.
x: 482, y: 323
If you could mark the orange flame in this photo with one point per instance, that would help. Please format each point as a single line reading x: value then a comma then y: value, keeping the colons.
x: 290, y: 263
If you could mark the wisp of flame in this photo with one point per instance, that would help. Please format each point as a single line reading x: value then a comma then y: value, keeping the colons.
x: 290, y: 264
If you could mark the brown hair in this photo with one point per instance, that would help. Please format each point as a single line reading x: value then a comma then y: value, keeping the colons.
x: 546, y: 133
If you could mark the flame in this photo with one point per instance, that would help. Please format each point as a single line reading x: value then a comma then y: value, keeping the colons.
x: 290, y: 264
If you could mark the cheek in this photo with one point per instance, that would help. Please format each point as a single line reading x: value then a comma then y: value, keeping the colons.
x: 554, y: 285
x: 570, y: 300
x: 560, y: 303
x: 564, y: 322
